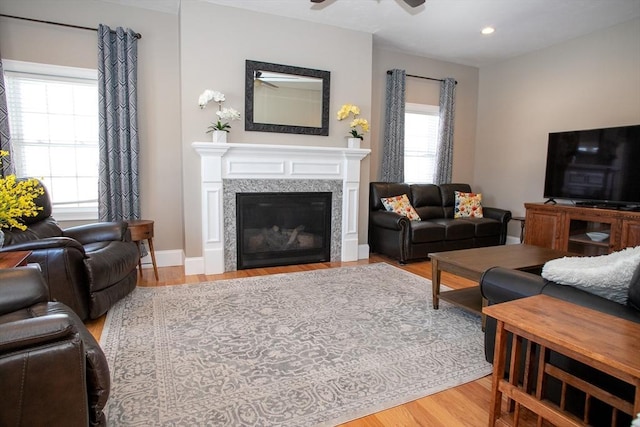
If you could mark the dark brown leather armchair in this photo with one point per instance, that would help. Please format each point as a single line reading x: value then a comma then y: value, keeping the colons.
x: 88, y: 268
x: 52, y: 370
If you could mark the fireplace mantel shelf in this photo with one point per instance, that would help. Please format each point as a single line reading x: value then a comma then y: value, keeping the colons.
x: 224, y: 147
x: 282, y: 151
x: 224, y: 161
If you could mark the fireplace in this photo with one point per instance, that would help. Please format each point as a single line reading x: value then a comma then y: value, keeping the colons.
x: 282, y: 228
x: 228, y: 169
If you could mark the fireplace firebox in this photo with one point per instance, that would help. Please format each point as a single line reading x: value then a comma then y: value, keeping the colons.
x: 282, y: 228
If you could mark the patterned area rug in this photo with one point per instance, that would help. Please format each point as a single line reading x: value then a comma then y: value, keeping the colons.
x: 299, y: 349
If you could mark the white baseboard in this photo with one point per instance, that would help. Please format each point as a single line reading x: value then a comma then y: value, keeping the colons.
x: 168, y: 258
x: 194, y: 265
x: 513, y: 240
x: 363, y: 251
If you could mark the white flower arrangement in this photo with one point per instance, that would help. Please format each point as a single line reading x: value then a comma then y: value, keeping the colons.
x: 224, y: 114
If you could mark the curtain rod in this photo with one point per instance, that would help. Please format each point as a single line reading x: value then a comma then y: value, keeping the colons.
x: 138, y: 35
x: 421, y: 77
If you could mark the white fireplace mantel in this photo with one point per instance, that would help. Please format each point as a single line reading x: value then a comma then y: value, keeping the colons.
x: 222, y: 161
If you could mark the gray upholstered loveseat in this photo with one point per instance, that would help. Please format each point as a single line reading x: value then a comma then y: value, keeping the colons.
x: 396, y: 236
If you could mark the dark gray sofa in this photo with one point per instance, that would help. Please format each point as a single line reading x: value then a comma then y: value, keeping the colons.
x: 394, y: 235
x: 501, y: 285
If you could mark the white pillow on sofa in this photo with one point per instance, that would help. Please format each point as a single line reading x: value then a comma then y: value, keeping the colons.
x: 608, y: 276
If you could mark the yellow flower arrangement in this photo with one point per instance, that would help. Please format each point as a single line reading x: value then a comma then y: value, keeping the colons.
x: 363, y: 124
x: 17, y: 199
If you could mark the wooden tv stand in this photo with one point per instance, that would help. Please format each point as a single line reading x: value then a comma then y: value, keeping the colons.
x: 565, y: 228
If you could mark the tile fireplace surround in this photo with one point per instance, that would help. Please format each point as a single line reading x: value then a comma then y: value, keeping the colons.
x: 227, y: 169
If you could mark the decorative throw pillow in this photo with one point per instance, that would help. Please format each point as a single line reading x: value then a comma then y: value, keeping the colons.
x: 468, y: 205
x: 400, y: 205
x: 608, y: 276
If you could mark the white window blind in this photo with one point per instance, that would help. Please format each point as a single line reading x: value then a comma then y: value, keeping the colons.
x: 420, y: 142
x: 53, y: 119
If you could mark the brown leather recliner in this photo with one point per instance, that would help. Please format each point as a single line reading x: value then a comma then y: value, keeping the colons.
x: 88, y: 267
x: 52, y: 370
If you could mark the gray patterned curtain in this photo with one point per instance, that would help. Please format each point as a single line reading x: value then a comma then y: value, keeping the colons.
x: 6, y: 166
x: 119, y: 196
x: 444, y: 154
x: 393, y: 145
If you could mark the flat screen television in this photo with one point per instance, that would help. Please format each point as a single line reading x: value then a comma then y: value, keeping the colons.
x: 599, y: 167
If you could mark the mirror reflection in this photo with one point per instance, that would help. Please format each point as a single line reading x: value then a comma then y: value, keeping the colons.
x: 281, y: 98
x: 287, y: 99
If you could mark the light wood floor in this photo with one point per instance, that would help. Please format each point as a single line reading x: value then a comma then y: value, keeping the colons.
x: 465, y: 405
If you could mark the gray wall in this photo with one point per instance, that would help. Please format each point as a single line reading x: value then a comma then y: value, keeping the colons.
x: 158, y: 90
x: 428, y: 92
x: 589, y: 82
x: 215, y: 41
x: 504, y: 111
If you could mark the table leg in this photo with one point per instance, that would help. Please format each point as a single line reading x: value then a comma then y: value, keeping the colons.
x: 153, y: 258
x: 514, y: 372
x: 636, y: 403
x: 499, y: 361
x: 435, y: 282
x: 139, y: 258
x: 528, y: 367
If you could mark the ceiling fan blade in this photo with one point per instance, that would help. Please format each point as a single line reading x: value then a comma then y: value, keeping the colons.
x: 264, y: 82
x: 413, y: 3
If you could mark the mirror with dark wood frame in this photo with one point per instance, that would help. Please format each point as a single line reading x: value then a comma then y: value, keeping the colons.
x: 286, y: 99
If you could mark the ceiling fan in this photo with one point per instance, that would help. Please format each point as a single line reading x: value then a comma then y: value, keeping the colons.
x: 258, y: 79
x: 412, y: 3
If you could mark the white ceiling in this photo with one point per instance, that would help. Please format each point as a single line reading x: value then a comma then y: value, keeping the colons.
x: 449, y: 29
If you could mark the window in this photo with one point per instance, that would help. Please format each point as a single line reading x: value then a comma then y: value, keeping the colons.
x: 420, y: 142
x: 53, y: 118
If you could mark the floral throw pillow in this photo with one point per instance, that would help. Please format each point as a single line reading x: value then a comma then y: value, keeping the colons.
x: 401, y: 205
x: 468, y: 205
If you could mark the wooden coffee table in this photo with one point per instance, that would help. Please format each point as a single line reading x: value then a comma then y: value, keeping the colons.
x: 471, y: 263
x: 602, y: 341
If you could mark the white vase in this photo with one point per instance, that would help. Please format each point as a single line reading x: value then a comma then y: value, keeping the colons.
x: 353, y: 142
x: 219, y: 136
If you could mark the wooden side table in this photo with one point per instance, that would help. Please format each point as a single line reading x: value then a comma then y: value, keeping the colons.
x: 602, y: 341
x: 521, y: 219
x: 142, y: 229
x: 13, y: 259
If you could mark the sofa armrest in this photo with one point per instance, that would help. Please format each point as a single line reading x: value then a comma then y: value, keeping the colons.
x: 98, y: 232
x: 53, y: 390
x: 386, y: 219
x: 502, y: 215
x: 23, y: 335
x: 498, y: 214
x: 62, y: 266
x: 43, y: 244
x: 97, y: 369
x: 500, y: 284
x: 21, y: 288
x: 595, y: 302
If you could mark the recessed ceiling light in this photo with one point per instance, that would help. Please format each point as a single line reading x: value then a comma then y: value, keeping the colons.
x: 487, y: 30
